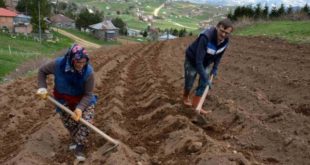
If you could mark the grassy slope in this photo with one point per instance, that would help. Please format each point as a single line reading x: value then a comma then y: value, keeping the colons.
x: 23, y: 49
x: 90, y: 37
x: 292, y: 31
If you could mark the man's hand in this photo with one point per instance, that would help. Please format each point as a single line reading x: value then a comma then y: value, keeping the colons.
x: 214, y: 72
x: 77, y: 114
x: 42, y: 93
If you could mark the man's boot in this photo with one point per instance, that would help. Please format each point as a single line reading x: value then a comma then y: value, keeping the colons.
x: 195, y: 103
x: 186, y: 99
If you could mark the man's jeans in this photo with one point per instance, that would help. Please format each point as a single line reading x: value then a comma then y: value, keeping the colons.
x: 190, y: 74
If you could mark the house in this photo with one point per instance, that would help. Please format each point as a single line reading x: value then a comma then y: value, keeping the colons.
x: 133, y: 32
x: 22, y: 24
x: 105, y: 30
x: 6, y: 19
x: 62, y: 21
x: 166, y: 36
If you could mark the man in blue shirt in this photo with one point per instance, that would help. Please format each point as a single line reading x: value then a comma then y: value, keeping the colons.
x: 207, y: 49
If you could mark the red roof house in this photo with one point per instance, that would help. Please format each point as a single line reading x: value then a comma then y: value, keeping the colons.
x: 6, y: 19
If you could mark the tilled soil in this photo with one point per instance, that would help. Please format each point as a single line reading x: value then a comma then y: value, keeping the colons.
x: 259, y: 101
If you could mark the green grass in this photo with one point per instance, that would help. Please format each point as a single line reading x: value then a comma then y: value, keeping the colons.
x: 292, y: 31
x: 23, y: 49
x: 133, y: 22
x: 90, y: 37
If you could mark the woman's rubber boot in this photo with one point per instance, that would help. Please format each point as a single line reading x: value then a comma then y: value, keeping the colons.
x: 195, y: 103
x: 79, y: 153
x: 186, y: 98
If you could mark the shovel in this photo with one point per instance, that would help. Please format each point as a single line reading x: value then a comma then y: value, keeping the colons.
x: 203, y: 97
x: 105, y: 136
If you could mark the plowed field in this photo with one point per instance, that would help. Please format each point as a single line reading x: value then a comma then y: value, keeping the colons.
x: 260, y: 102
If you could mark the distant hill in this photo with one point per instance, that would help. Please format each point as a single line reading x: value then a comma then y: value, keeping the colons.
x: 247, y: 2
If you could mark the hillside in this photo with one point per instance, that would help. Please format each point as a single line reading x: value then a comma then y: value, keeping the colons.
x: 260, y: 104
x: 174, y: 14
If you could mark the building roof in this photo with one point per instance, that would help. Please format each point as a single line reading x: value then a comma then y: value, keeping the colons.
x: 167, y: 37
x: 59, y: 18
x: 107, y: 25
x: 7, y: 13
x: 23, y: 16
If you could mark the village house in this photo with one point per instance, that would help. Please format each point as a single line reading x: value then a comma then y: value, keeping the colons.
x: 105, y: 30
x: 62, y: 21
x: 133, y: 32
x: 166, y: 36
x: 22, y: 24
x: 6, y: 19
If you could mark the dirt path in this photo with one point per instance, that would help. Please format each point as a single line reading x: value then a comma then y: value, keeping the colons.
x: 78, y: 40
x: 156, y: 11
x: 260, y: 104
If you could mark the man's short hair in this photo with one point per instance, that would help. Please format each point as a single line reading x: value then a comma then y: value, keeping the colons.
x: 226, y: 23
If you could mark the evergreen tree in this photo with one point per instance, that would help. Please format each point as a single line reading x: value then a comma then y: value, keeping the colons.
x: 22, y: 6
x: 2, y: 3
x: 32, y: 8
x: 305, y: 9
x: 265, y: 12
x: 237, y: 13
x: 182, y: 32
x: 118, y: 22
x: 85, y: 18
x: 230, y: 15
x: 289, y: 10
x: 175, y: 32
x: 258, y: 11
x: 249, y: 12
x: 144, y: 34
x: 274, y: 13
x: 281, y: 10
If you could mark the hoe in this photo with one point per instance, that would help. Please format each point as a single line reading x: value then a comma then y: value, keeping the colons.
x: 105, y: 136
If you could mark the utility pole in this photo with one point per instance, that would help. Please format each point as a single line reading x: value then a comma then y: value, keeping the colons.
x: 39, y: 21
x: 56, y: 7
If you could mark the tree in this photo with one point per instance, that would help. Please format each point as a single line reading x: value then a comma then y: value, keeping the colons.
x: 230, y: 15
x: 281, y: 10
x: 144, y: 34
x: 22, y: 6
x: 258, y: 11
x: 2, y: 3
x: 305, y: 9
x: 289, y: 10
x: 85, y: 18
x: 32, y: 7
x: 182, y: 32
x: 174, y: 32
x: 265, y: 12
x: 72, y: 10
x: 274, y: 13
x: 118, y: 22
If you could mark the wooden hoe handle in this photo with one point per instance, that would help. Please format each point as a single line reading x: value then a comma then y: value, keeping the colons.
x: 105, y: 136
